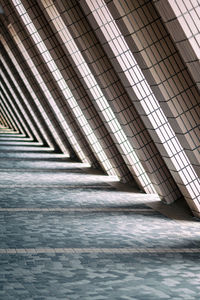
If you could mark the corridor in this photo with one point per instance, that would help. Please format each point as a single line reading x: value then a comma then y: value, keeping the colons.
x: 67, y: 232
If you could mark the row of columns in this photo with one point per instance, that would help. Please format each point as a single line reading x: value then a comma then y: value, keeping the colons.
x: 54, y: 120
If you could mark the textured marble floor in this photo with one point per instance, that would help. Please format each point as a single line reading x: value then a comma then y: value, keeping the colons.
x: 69, y: 233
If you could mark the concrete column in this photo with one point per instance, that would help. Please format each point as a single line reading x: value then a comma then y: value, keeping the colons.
x: 114, y: 92
x: 13, y: 109
x: 174, y: 88
x: 68, y: 71
x: 5, y: 117
x: 164, y: 69
x: 42, y: 127
x: 182, y: 20
x: 21, y: 105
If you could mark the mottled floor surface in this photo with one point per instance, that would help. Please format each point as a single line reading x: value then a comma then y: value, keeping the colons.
x: 68, y: 233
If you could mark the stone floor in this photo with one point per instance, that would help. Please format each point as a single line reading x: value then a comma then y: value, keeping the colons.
x: 69, y: 232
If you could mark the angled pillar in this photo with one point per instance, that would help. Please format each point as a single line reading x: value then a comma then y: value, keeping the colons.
x: 167, y: 76
x: 164, y: 69
x: 85, y: 104
x: 67, y: 102
x: 22, y: 72
x: 40, y: 97
x: 3, y: 122
x: 19, y: 102
x: 19, y: 85
x: 12, y: 110
x: 6, y: 117
x: 120, y: 102
x: 176, y: 16
x: 53, y: 95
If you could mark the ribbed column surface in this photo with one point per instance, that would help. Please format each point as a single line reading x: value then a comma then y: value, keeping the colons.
x: 70, y: 232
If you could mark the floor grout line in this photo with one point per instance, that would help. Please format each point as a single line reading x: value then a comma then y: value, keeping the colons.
x: 27, y: 170
x: 57, y: 186
x: 97, y: 250
x: 77, y: 209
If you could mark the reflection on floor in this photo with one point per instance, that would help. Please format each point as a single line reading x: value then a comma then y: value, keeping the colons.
x: 67, y: 232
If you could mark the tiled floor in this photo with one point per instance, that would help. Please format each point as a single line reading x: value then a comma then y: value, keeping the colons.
x: 66, y: 232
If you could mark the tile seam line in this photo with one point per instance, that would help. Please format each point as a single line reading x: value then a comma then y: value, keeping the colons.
x: 58, y: 186
x: 63, y: 210
x: 96, y: 250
